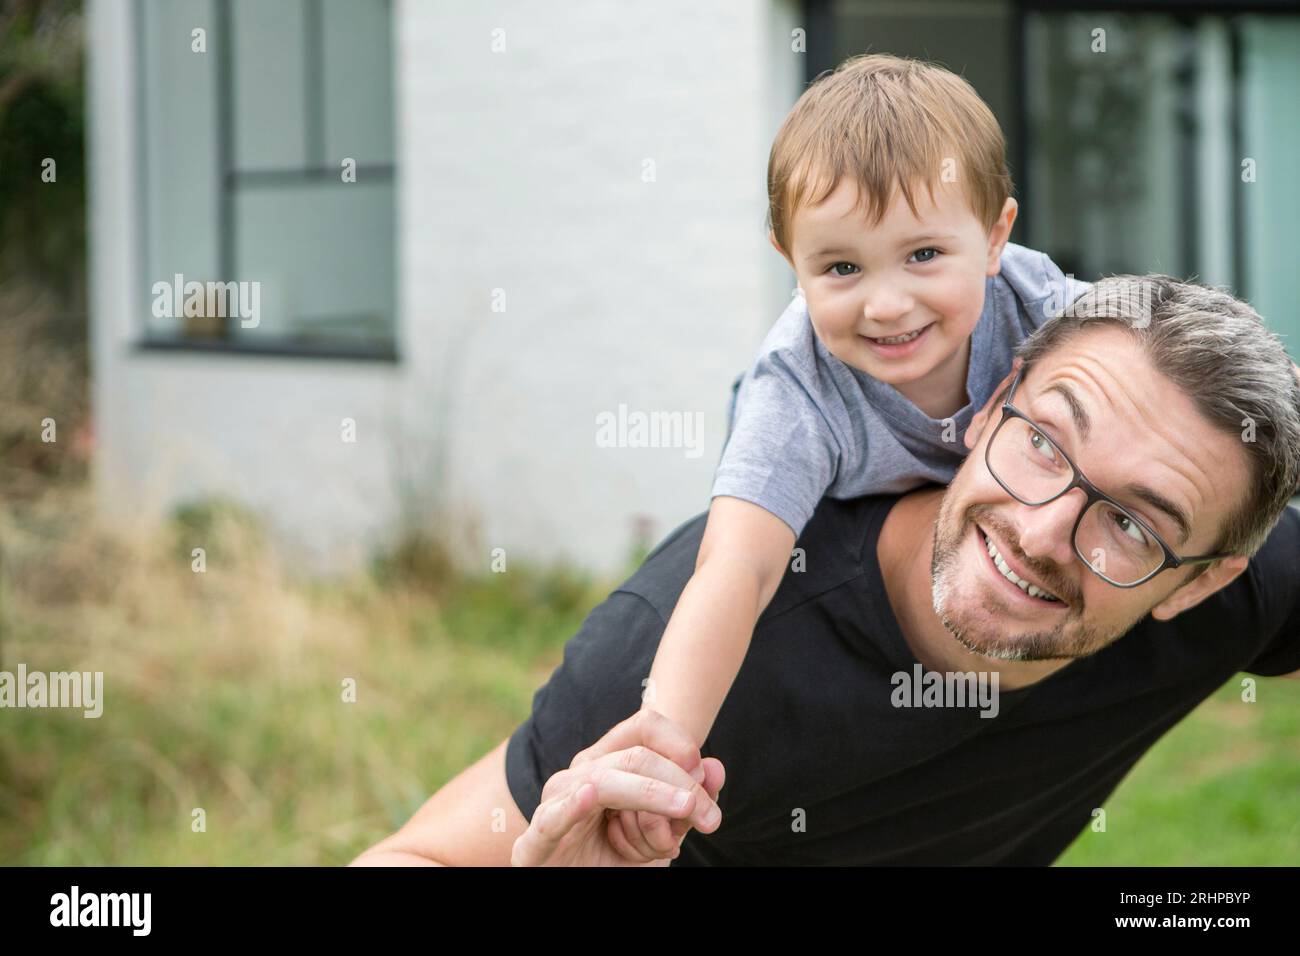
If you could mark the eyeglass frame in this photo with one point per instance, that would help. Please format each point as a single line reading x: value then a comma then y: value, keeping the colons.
x: 1093, y: 493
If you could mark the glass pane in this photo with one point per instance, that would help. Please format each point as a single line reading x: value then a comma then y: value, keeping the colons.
x: 1214, y: 159
x: 1109, y: 152
x: 267, y: 74
x: 178, y: 139
x: 1029, y: 464
x: 357, y: 73
x: 1116, y: 545
x: 1271, y: 138
x: 323, y: 253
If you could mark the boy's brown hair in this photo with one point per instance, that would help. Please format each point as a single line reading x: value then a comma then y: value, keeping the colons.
x: 890, y: 122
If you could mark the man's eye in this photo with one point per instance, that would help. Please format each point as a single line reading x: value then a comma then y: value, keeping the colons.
x: 838, y: 264
x: 1042, y: 445
x: 1130, y: 527
x: 921, y: 254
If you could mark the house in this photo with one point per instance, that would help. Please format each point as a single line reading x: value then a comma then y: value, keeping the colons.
x: 369, y: 266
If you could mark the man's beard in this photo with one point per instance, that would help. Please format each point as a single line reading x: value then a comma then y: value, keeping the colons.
x: 1070, y: 638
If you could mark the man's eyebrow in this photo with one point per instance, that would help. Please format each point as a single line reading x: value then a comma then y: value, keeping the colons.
x: 1156, y: 500
x: 1152, y: 497
x: 1080, y: 415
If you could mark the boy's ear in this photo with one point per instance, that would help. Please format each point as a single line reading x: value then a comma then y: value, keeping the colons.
x: 1189, y: 595
x: 771, y: 237
x: 1000, y: 234
x: 981, y: 418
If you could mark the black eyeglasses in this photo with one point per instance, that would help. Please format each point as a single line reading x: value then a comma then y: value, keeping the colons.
x: 1115, y: 544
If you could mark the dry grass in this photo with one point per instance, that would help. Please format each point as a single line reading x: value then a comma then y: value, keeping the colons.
x: 223, y: 690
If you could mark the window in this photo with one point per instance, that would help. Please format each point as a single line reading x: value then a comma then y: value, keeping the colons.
x: 1134, y: 159
x: 250, y: 136
x: 1171, y: 151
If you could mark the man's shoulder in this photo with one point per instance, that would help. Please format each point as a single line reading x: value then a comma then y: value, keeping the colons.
x: 663, y: 574
x: 1274, y: 571
x: 832, y: 549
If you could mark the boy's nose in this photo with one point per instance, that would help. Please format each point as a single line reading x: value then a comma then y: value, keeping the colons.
x: 886, y: 305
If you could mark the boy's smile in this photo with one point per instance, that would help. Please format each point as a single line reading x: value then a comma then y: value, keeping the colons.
x: 899, y: 299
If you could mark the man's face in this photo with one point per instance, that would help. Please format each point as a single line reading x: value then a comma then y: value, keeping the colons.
x: 905, y: 275
x: 1144, y: 431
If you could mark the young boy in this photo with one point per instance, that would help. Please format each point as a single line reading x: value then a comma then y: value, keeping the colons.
x: 890, y: 198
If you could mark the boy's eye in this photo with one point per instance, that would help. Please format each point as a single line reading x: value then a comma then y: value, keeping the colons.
x: 838, y: 264
x: 921, y: 254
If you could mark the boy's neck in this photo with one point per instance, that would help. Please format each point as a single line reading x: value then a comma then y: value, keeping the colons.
x: 942, y: 393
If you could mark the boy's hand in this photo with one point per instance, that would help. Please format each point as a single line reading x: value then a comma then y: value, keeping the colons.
x: 642, y: 836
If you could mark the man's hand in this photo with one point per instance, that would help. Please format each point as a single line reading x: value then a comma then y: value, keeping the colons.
x: 636, y: 766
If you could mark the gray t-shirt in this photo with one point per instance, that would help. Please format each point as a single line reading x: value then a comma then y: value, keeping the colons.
x: 805, y: 425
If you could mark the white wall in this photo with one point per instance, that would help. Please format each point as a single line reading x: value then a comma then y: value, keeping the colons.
x: 526, y: 168
x: 522, y: 171
x: 171, y: 426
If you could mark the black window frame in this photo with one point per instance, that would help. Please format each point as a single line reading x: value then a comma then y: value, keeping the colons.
x: 820, y: 17
x: 230, y: 179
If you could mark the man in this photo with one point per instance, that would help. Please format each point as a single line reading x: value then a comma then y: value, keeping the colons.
x: 1143, y: 452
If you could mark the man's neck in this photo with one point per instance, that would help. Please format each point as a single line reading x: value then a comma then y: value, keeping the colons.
x: 905, y: 569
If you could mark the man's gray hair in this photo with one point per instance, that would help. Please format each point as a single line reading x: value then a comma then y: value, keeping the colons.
x: 1216, y: 349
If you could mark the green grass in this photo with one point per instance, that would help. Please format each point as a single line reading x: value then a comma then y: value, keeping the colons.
x: 223, y: 692
x: 1221, y: 789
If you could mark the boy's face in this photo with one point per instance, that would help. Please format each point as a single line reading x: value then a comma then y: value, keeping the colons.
x: 919, y: 276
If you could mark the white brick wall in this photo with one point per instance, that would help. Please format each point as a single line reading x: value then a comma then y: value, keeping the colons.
x: 518, y: 170
x: 526, y: 168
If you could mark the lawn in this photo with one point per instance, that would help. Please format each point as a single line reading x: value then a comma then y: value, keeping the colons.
x: 224, y: 692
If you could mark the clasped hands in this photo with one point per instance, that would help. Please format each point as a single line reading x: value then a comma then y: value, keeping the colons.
x: 627, y: 800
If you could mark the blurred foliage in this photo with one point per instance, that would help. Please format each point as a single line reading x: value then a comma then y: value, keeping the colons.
x: 42, y: 115
x: 45, y: 430
x: 222, y: 691
x: 417, y: 560
x: 220, y: 525
x: 43, y: 331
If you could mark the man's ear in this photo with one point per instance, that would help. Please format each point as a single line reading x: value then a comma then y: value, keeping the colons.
x: 981, y: 418
x: 1219, y: 575
x: 1000, y: 234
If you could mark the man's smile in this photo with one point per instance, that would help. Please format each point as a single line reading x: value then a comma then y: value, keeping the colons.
x: 1016, y: 579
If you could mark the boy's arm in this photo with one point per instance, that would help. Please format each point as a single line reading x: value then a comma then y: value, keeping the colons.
x: 742, y: 558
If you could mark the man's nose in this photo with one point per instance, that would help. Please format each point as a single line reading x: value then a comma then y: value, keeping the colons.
x: 886, y: 303
x: 1046, y: 531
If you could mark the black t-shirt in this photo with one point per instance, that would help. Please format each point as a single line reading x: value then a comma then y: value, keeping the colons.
x: 823, y: 769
